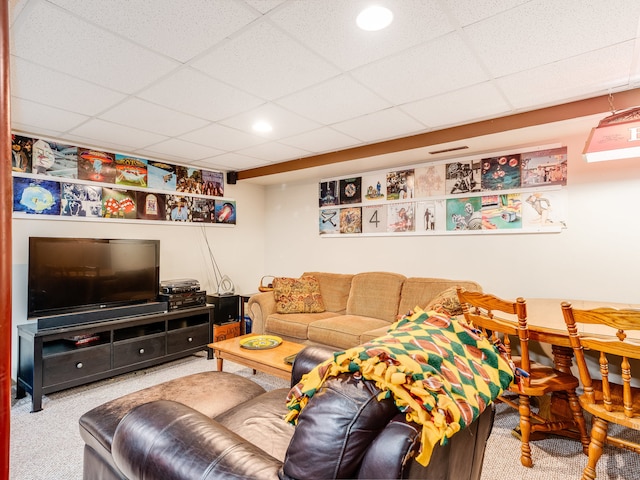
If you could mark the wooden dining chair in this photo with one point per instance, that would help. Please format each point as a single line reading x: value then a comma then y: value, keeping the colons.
x: 607, y: 400
x: 536, y: 380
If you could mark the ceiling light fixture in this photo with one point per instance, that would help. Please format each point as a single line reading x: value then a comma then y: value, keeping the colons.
x: 374, y: 18
x: 616, y: 137
x: 262, y: 127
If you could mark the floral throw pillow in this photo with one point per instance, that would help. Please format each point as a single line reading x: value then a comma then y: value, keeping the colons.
x: 297, y: 295
x: 446, y: 302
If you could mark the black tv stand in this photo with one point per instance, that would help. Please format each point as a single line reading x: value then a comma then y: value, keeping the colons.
x: 53, y: 359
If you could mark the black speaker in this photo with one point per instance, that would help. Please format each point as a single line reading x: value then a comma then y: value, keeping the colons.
x: 232, y: 178
x: 226, y: 308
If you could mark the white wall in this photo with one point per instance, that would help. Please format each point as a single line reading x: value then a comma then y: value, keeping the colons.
x: 238, y: 250
x: 277, y: 234
x: 594, y: 258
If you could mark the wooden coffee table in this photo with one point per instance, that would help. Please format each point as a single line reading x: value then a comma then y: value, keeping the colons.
x: 268, y: 361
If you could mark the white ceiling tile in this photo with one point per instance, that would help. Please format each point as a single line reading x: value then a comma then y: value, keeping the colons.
x: 27, y: 130
x: 153, y: 118
x: 15, y: 7
x: 39, y: 116
x: 60, y: 90
x: 84, y: 50
x: 542, y: 32
x: 264, y: 6
x: 303, y: 65
x: 232, y: 161
x: 182, y: 149
x: 472, y: 11
x: 321, y: 140
x: 570, y: 79
x: 197, y: 94
x: 111, y: 147
x: 468, y: 104
x: 332, y: 32
x: 274, y: 151
x: 335, y: 100
x: 101, y: 131
x: 222, y: 137
x: 265, y: 62
x: 443, y: 65
x: 381, y: 125
x: 285, y: 123
x: 178, y: 29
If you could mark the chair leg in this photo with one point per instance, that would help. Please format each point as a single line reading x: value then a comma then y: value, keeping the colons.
x: 578, y: 417
x: 598, y: 437
x: 524, y: 409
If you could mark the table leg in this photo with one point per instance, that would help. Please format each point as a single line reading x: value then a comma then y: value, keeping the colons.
x: 562, y: 360
x: 219, y: 360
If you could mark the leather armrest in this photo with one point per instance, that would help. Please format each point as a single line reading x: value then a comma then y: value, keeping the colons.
x: 166, y: 440
x: 391, y: 451
x: 391, y: 454
x: 307, y: 359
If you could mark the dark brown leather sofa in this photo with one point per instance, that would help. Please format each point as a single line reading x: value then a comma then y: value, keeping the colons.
x: 218, y: 425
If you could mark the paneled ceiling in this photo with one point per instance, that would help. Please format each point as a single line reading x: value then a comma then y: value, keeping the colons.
x: 184, y: 81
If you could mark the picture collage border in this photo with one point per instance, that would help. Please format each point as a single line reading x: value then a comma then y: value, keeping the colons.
x: 513, y: 191
x: 54, y: 180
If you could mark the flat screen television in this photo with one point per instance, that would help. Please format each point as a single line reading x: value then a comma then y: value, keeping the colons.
x: 68, y: 275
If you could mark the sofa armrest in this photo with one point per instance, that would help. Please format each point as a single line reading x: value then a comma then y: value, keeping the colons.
x: 391, y: 454
x: 307, y: 359
x: 259, y: 307
x: 167, y: 440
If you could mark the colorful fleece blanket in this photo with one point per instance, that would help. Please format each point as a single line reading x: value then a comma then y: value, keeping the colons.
x: 439, y: 372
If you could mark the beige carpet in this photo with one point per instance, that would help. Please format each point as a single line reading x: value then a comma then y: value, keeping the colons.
x: 46, y: 445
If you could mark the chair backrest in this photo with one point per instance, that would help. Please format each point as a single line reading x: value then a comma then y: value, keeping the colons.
x: 613, y: 348
x: 479, y: 311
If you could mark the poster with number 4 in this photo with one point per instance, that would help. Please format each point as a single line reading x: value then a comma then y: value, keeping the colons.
x: 374, y: 219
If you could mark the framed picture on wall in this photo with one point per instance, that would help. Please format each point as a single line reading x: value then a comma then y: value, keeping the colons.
x: 55, y: 159
x: 350, y: 190
x: 374, y: 219
x: 81, y: 200
x: 36, y: 196
x: 351, y: 220
x: 329, y: 221
x: 328, y: 194
x: 502, y: 211
x: 96, y: 166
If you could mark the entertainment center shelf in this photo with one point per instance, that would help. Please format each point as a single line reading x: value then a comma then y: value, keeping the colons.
x: 53, y: 359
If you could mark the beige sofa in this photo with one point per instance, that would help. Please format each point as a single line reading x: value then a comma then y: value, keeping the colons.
x: 358, y: 307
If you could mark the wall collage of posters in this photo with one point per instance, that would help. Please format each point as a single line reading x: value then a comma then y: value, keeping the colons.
x: 504, y: 193
x: 53, y: 179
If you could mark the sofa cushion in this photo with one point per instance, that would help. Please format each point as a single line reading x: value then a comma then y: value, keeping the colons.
x: 376, y: 295
x: 259, y: 421
x: 208, y: 392
x: 297, y: 295
x: 343, y: 331
x: 334, y: 288
x: 418, y: 291
x: 446, y: 302
x: 375, y: 333
x: 293, y: 325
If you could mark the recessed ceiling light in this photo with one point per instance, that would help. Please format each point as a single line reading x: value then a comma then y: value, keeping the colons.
x: 374, y: 18
x: 262, y: 127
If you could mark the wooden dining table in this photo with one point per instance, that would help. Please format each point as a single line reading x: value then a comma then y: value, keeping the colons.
x: 547, y: 326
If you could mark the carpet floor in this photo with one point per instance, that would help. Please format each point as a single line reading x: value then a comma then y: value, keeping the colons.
x: 46, y: 445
